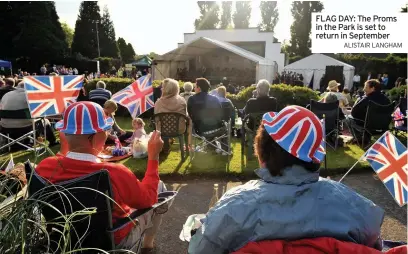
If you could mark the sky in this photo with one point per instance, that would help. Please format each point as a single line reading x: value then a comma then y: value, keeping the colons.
x: 158, y: 25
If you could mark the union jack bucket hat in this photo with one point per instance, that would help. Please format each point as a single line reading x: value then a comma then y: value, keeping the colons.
x: 298, y: 131
x: 84, y: 117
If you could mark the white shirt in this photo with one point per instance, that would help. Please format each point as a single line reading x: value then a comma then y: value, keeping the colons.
x: 83, y: 157
x: 356, y: 78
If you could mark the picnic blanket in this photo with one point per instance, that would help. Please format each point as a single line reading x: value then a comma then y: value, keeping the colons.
x: 102, y: 156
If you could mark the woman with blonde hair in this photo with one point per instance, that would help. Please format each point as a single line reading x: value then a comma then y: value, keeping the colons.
x: 171, y: 102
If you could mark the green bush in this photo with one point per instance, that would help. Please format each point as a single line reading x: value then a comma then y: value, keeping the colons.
x: 395, y: 93
x: 106, y: 63
x: 112, y: 84
x: 285, y: 94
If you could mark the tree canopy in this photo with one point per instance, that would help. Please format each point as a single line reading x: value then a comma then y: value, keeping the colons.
x: 269, y: 14
x: 69, y: 33
x: 108, y: 45
x: 85, y: 36
x: 226, y: 14
x: 127, y: 53
x: 301, y: 26
x: 242, y: 14
x: 31, y: 30
x: 208, y: 15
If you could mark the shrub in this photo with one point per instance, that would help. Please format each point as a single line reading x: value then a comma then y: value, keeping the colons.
x: 112, y: 84
x: 285, y: 94
x: 397, y: 92
x: 106, y: 63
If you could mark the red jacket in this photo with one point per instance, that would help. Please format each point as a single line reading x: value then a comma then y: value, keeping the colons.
x: 127, y: 190
x: 322, y: 245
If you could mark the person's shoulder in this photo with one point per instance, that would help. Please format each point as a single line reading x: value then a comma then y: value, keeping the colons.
x: 115, y: 168
x: 49, y: 162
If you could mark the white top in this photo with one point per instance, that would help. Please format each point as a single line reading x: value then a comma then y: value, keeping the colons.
x: 356, y: 78
x: 83, y: 157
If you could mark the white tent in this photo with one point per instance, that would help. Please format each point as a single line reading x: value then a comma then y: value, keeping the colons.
x: 167, y: 63
x: 315, y: 66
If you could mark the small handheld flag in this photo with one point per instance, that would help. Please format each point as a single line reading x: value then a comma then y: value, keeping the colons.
x: 10, y: 165
x: 50, y: 95
x: 137, y: 97
x: 388, y: 157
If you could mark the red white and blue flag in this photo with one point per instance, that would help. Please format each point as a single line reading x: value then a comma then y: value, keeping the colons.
x: 398, y: 117
x: 137, y: 97
x: 388, y: 157
x: 50, y: 95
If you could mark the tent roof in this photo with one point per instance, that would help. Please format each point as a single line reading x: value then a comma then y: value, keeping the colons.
x: 204, y: 45
x: 317, y: 62
x: 6, y: 64
x: 143, y: 61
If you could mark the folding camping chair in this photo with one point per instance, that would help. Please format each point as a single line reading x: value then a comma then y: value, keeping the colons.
x: 250, y: 125
x: 377, y: 121
x: 169, y: 126
x: 56, y: 202
x: 16, y: 138
x: 330, y: 112
x: 209, y: 128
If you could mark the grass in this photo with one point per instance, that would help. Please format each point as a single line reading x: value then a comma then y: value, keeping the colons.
x: 210, y: 163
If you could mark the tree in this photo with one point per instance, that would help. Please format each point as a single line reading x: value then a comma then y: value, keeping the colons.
x: 32, y: 31
x: 153, y: 55
x: 127, y: 53
x: 242, y: 14
x: 404, y: 9
x: 108, y: 45
x: 226, y: 14
x: 270, y: 16
x: 301, y: 26
x: 85, y: 36
x: 69, y: 33
x: 209, y: 15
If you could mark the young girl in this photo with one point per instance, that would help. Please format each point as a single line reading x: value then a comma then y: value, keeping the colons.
x: 138, y: 130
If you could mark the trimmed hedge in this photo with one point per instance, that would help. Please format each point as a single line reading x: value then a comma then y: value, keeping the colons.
x: 285, y: 94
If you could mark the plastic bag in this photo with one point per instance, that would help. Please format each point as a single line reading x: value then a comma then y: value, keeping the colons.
x: 139, y: 148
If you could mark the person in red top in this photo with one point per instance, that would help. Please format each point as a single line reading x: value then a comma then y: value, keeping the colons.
x: 86, y: 129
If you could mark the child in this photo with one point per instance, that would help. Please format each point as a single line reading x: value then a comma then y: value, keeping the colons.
x: 346, y: 93
x: 138, y: 130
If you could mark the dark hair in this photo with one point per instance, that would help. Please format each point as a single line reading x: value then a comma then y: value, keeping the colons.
x: 203, y: 84
x: 346, y: 90
x: 374, y: 83
x: 275, y: 157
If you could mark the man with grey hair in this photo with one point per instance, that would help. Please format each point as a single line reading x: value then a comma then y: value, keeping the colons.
x: 188, y: 91
x: 100, y: 94
x: 262, y: 102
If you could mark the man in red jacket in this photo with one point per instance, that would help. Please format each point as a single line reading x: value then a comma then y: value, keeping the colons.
x: 86, y: 130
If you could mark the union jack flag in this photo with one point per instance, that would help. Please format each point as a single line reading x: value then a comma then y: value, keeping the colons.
x: 388, y: 158
x: 137, y: 97
x: 303, y: 139
x: 398, y: 118
x: 50, y: 95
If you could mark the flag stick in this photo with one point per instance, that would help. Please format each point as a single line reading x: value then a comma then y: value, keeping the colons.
x: 341, y: 179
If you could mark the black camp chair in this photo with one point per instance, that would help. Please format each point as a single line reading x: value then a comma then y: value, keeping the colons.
x: 99, y: 101
x: 377, y: 121
x: 330, y: 113
x: 88, y: 193
x: 250, y: 125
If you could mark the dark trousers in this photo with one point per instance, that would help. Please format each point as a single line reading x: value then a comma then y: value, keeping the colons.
x: 122, y: 138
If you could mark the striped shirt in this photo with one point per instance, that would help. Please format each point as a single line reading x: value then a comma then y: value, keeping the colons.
x: 100, y: 93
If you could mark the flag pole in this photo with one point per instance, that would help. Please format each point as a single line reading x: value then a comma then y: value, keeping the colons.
x: 341, y: 179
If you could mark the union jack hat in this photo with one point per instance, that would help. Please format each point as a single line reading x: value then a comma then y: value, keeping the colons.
x: 298, y: 131
x: 84, y: 117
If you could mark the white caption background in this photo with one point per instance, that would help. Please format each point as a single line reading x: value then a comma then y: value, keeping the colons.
x: 359, y: 33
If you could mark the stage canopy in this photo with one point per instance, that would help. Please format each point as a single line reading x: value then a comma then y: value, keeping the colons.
x: 5, y: 64
x: 315, y: 66
x: 144, y: 61
x: 167, y: 63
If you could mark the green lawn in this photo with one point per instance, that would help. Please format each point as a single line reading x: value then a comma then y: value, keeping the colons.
x: 209, y: 163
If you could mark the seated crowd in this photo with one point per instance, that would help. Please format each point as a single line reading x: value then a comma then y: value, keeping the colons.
x: 288, y: 209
